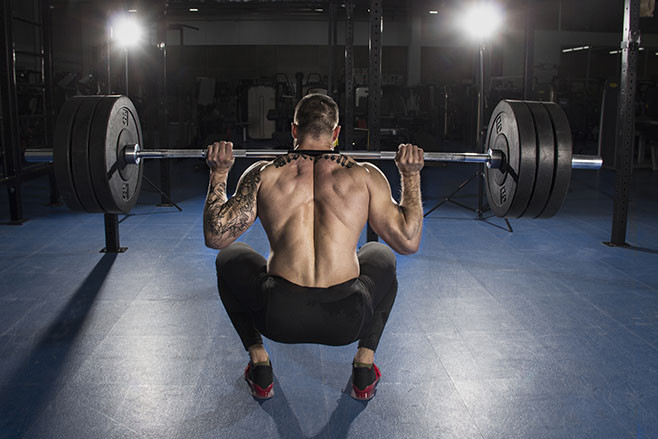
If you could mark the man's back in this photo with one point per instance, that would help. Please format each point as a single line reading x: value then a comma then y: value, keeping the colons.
x: 313, y: 209
x: 313, y: 204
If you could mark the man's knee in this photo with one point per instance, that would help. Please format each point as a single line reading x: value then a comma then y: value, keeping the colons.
x: 230, y: 254
x: 380, y: 253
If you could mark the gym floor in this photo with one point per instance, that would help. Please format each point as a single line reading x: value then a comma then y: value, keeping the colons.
x: 540, y: 333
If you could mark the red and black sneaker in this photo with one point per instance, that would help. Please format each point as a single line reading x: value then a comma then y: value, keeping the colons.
x: 260, y: 379
x: 364, y: 382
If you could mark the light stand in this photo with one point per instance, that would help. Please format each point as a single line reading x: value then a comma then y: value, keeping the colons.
x: 482, y: 207
x: 125, y: 52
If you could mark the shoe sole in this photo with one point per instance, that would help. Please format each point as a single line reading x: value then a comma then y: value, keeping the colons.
x: 369, y: 392
x: 258, y: 392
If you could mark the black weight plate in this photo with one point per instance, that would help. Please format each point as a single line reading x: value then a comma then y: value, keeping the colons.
x: 512, y: 131
x: 563, y: 152
x: 80, y: 154
x: 545, y: 159
x: 115, y: 125
x: 62, y: 153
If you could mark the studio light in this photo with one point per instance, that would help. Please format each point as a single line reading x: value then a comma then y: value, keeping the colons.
x: 126, y: 32
x: 575, y: 49
x: 481, y: 20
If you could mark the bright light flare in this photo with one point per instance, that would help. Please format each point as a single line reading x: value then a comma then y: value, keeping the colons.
x: 482, y: 20
x: 126, y: 32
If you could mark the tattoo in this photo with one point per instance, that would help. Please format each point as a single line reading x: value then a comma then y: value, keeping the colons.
x: 342, y: 160
x: 229, y: 218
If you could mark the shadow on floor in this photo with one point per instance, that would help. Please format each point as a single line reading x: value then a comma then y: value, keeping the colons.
x: 39, y: 375
x: 337, y: 427
x: 641, y: 249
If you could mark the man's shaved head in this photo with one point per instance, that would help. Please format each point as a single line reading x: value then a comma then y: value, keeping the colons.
x: 315, y: 115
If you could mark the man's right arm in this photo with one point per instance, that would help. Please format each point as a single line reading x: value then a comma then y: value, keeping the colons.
x: 400, y: 225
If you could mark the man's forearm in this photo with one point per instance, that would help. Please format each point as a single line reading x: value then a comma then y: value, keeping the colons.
x: 411, y: 205
x: 215, y: 200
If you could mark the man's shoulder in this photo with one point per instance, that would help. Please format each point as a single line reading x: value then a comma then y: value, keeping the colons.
x: 371, y: 169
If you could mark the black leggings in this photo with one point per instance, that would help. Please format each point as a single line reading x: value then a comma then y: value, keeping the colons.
x: 258, y: 303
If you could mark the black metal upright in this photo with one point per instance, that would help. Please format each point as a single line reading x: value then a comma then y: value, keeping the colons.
x: 480, y: 128
x: 299, y: 85
x: 331, y: 74
x: 111, y: 220
x: 163, y: 116
x: 112, y: 244
x: 626, y: 120
x: 529, y: 52
x: 348, y: 122
x: 374, y: 86
x: 10, y: 124
x: 375, y: 75
x: 47, y: 80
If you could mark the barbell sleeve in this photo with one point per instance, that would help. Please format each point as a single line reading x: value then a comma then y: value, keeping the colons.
x: 586, y: 162
x: 133, y: 154
x: 38, y: 155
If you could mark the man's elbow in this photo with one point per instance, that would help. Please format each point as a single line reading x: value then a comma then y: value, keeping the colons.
x: 405, y: 246
x: 215, y: 243
x: 408, y: 248
x: 212, y: 244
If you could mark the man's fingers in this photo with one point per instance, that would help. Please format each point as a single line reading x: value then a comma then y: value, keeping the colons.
x: 228, y: 150
x: 220, y: 155
x: 405, y: 153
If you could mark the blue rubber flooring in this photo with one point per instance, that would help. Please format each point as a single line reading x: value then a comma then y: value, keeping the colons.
x: 539, y: 333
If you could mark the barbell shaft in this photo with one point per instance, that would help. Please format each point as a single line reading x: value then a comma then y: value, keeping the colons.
x: 132, y: 155
x: 361, y: 155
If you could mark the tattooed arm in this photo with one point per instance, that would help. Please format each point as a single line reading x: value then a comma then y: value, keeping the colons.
x: 399, y: 225
x: 225, y: 220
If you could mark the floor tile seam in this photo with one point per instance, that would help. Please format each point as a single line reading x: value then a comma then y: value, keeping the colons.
x: 124, y: 396
x: 128, y: 305
x: 502, y: 242
x: 41, y: 415
x: 116, y: 421
x: 28, y: 255
x: 494, y: 297
x: 20, y: 320
x: 561, y: 238
x: 458, y: 261
x: 191, y: 408
x: 608, y: 315
x: 651, y: 287
x: 54, y: 395
x: 606, y: 230
x: 617, y: 417
x: 578, y: 219
x: 452, y: 381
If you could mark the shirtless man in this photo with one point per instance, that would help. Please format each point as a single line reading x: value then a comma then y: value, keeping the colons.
x: 313, y: 204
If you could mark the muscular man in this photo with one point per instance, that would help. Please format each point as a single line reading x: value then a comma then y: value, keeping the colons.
x: 315, y: 286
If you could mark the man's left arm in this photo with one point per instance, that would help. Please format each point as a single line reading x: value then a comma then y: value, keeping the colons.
x: 225, y: 220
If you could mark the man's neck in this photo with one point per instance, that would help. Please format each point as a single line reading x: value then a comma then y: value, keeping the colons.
x: 314, y: 146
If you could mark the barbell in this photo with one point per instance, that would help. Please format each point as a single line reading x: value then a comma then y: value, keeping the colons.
x: 98, y: 157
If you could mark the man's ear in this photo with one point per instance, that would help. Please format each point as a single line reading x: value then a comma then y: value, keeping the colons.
x: 334, y: 137
x: 293, y: 129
